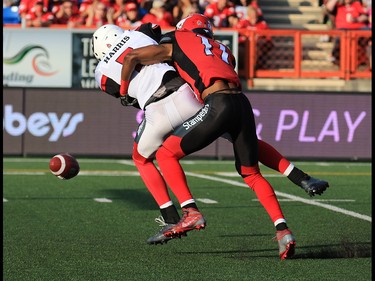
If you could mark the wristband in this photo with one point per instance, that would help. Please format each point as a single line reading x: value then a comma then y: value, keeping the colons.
x: 124, y: 87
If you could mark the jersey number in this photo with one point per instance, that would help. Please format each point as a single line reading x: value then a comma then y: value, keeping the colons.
x: 208, y: 47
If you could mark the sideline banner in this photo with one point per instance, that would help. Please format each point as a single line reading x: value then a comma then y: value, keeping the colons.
x: 89, y: 122
x: 60, y: 58
x: 84, y: 61
x: 37, y: 57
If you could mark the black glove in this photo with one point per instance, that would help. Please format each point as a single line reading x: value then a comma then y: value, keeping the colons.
x: 129, y: 101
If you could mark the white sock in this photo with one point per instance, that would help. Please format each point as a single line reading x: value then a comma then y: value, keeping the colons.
x: 288, y: 170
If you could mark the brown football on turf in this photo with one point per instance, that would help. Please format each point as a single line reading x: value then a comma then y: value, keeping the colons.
x: 64, y: 166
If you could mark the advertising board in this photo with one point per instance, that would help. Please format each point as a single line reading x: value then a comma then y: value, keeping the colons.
x: 89, y: 122
x: 37, y: 58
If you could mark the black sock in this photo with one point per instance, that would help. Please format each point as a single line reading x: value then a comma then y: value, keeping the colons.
x: 296, y: 176
x: 191, y: 205
x: 281, y: 226
x: 170, y: 214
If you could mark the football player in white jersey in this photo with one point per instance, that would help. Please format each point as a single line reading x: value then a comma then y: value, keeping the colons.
x: 167, y: 101
x: 157, y: 89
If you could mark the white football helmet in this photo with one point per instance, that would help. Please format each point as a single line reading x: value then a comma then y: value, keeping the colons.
x: 103, y: 38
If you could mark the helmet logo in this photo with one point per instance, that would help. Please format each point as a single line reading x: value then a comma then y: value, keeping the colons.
x: 180, y: 24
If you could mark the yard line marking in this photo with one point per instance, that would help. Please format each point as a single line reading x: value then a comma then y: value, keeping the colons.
x: 103, y: 200
x: 25, y: 173
x: 4, y: 200
x: 108, y: 173
x: 207, y: 200
x: 320, y: 200
x: 188, y: 162
x: 334, y: 200
x: 235, y: 174
x: 289, y: 196
x: 81, y: 173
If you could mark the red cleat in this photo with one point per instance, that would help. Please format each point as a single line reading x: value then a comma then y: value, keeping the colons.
x: 287, y: 243
x: 191, y: 219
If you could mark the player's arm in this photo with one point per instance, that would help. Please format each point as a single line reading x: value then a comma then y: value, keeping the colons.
x: 144, y: 56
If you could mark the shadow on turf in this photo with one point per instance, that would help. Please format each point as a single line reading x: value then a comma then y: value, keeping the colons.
x: 344, y: 250
x: 139, y: 199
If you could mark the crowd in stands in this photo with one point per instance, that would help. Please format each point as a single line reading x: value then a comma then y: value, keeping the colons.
x: 349, y: 15
x: 131, y: 13
x: 344, y: 14
x: 128, y: 14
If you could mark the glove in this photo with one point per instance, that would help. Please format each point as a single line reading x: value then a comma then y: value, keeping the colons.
x: 129, y: 101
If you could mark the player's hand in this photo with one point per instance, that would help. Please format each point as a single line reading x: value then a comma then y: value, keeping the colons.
x: 129, y: 101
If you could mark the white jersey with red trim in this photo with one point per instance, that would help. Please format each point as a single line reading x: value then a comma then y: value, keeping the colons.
x: 142, y: 84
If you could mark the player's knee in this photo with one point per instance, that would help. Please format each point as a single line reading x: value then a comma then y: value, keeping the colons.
x: 246, y: 171
x: 170, y: 149
x: 252, y: 179
x: 163, y: 154
x: 250, y: 174
x: 138, y: 158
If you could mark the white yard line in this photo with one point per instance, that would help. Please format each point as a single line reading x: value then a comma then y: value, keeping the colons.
x: 187, y: 162
x: 212, y: 178
x: 289, y: 196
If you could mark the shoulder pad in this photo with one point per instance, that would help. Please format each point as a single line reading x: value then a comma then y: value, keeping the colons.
x: 151, y: 30
x: 167, y: 38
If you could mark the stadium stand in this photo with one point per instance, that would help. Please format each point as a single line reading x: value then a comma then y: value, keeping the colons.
x: 295, y: 27
x: 293, y: 14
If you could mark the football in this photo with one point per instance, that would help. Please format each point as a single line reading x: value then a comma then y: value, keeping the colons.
x: 64, y: 166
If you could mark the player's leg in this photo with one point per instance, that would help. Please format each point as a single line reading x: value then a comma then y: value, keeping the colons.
x: 271, y: 158
x: 168, y: 159
x: 160, y: 119
x: 195, y: 134
x: 246, y: 156
x: 143, y: 156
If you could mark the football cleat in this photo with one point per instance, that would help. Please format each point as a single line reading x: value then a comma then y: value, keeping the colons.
x: 191, y: 219
x: 159, y: 237
x: 314, y: 186
x: 287, y: 243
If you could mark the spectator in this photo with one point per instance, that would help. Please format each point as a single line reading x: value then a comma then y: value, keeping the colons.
x: 118, y: 9
x: 183, y: 9
x: 38, y: 16
x: 219, y: 11
x: 98, y: 15
x: 241, y: 8
x: 54, y: 5
x: 144, y: 7
x: 158, y: 15
x: 67, y: 13
x: 169, y: 5
x: 328, y: 17
x: 10, y: 3
x: 26, y: 5
x: 131, y: 18
x: 84, y: 9
x: 252, y: 21
x: 349, y: 15
x: 203, y: 4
